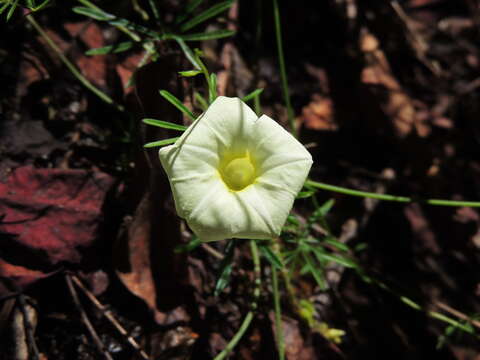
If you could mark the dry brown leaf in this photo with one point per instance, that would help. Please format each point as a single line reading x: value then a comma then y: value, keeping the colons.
x: 394, y: 101
x: 319, y: 114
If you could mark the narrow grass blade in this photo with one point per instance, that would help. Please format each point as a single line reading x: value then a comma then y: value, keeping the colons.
x: 100, y: 15
x: 118, y: 48
x: 305, y: 194
x: 187, y: 51
x: 177, y: 103
x: 4, y: 7
x: 207, y: 14
x: 336, y: 244
x: 196, y: 242
x: 189, y: 73
x: 154, y: 8
x: 315, y: 271
x: 200, y: 100
x: 251, y: 95
x: 208, y: 35
x: 191, y: 6
x: 322, y: 211
x: 335, y: 258
x: 41, y: 6
x: 225, y: 268
x: 213, y: 87
x: 12, y: 9
x: 283, y: 71
x: 164, y: 124
x: 160, y: 143
x: 272, y: 258
x: 93, y: 13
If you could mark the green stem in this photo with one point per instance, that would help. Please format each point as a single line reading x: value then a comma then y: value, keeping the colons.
x: 278, y: 315
x: 71, y: 66
x: 257, y: 272
x: 386, y: 197
x: 234, y: 341
x: 283, y: 72
x: 413, y: 305
x: 249, y: 317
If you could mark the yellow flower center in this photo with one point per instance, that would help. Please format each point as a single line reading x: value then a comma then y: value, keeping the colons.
x: 238, y: 173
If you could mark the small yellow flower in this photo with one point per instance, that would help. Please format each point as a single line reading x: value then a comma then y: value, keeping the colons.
x: 331, y: 334
x: 233, y: 174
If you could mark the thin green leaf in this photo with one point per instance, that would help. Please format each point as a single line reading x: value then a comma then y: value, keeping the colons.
x: 30, y: 4
x: 293, y: 220
x: 177, y: 103
x: 315, y: 271
x: 305, y: 194
x: 207, y: 14
x: 337, y: 244
x: 164, y: 124
x: 190, y: 73
x: 41, y: 6
x: 338, y: 259
x: 191, y: 6
x: 326, y: 207
x: 251, y: 95
x: 101, y: 15
x: 219, y: 34
x: 196, y: 242
x: 154, y: 8
x: 12, y: 9
x: 360, y: 247
x: 202, y: 103
x: 135, y: 27
x: 226, y: 267
x: 188, y: 52
x: 118, y: 48
x: 272, y: 258
x: 4, y: 7
x: 212, y: 83
x: 93, y: 13
x: 160, y: 143
x: 322, y: 211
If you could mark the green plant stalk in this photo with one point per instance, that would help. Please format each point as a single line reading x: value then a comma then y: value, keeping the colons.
x: 257, y: 272
x: 249, y: 317
x: 283, y: 72
x: 71, y: 66
x: 278, y: 315
x: 386, y: 197
x: 433, y: 314
x: 257, y: 105
x: 212, y: 92
x: 236, y: 338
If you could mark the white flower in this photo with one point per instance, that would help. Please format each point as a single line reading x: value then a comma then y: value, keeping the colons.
x: 234, y: 175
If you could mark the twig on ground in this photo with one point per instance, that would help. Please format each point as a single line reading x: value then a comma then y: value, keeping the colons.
x: 457, y: 314
x: 85, y: 319
x: 29, y: 330
x: 212, y: 251
x: 104, y: 310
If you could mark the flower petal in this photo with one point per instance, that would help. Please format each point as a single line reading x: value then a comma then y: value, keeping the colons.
x: 191, y: 173
x: 225, y: 214
x: 225, y: 125
x: 274, y: 147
